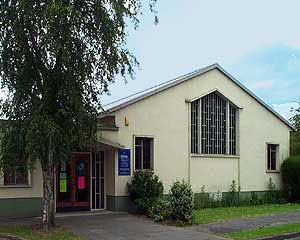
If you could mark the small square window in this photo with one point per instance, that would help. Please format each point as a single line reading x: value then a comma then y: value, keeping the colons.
x: 143, y: 153
x: 272, y: 156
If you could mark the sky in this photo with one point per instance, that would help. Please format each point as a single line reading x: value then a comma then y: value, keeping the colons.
x: 258, y: 42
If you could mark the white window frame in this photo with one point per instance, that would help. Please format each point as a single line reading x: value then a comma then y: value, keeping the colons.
x: 28, y: 185
x: 151, y: 152
x: 228, y: 103
x: 277, y: 157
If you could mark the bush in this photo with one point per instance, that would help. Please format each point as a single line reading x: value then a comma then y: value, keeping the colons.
x: 160, y: 210
x: 290, y: 171
x: 272, y: 196
x: 181, y: 201
x: 202, y: 199
x: 255, y: 200
x: 232, y: 197
x: 208, y: 200
x: 144, y: 190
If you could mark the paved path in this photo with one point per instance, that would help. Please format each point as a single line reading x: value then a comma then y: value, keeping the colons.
x: 120, y: 226
x: 248, y: 223
x: 128, y: 227
x: 123, y: 226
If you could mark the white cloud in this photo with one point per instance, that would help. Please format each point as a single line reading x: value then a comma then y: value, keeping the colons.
x: 194, y: 35
x: 285, y: 109
x: 261, y: 84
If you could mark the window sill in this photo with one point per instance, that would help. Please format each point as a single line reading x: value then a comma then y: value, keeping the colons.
x: 272, y: 171
x: 16, y: 186
x: 214, y: 155
x: 144, y: 170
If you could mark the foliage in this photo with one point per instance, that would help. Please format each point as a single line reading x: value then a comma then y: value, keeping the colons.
x: 266, y: 231
x: 160, y: 210
x: 290, y: 171
x: 56, y: 59
x: 271, y: 185
x: 202, y: 199
x: 272, y: 195
x: 255, y: 200
x: 295, y: 136
x: 209, y: 215
x: 233, y: 198
x: 207, y: 200
x: 144, y: 189
x: 181, y: 199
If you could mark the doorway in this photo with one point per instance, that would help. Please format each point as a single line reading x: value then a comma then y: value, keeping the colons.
x: 98, y: 181
x: 73, y: 184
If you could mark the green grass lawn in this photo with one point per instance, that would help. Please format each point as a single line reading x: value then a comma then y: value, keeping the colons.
x: 35, y: 233
x: 265, y: 231
x: 222, y: 214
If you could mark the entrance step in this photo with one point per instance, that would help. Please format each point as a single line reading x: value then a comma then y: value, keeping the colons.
x: 85, y: 213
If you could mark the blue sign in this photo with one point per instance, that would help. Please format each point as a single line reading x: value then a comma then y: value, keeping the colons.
x: 124, y: 162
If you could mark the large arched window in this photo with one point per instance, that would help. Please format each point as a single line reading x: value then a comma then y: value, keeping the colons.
x: 213, y: 125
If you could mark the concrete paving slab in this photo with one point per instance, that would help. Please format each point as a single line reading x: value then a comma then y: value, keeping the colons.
x: 129, y: 227
x: 117, y: 226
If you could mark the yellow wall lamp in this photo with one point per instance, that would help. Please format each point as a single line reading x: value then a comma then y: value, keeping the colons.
x: 126, y: 121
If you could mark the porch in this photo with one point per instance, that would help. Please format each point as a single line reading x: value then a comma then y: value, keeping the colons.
x: 87, y: 182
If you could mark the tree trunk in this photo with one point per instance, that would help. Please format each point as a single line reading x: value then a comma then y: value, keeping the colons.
x: 48, y: 217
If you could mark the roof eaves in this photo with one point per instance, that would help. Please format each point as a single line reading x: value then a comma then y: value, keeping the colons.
x: 110, y: 143
x: 190, y: 76
x: 162, y: 88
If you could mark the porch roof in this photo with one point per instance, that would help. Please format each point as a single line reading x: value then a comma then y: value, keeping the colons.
x: 106, y: 143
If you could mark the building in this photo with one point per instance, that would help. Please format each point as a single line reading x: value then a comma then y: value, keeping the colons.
x: 204, y: 127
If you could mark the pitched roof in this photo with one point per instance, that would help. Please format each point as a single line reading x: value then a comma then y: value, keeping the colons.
x: 126, y: 101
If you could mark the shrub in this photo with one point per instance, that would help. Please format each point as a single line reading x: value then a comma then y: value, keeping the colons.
x: 290, y: 171
x: 144, y: 190
x: 160, y: 210
x: 216, y: 199
x: 232, y: 197
x: 202, y: 199
x: 208, y: 200
x: 181, y: 201
x: 272, y: 195
x: 254, y: 200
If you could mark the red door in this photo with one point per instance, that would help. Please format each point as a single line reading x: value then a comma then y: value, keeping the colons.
x: 73, y: 184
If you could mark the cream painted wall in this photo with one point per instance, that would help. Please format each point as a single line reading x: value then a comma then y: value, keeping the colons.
x: 215, y: 174
x: 34, y: 190
x: 165, y: 116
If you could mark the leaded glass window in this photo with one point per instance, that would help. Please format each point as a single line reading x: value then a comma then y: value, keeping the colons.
x: 213, y: 125
x: 195, y: 126
x: 232, y: 130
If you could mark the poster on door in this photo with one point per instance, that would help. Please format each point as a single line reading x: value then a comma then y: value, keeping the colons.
x: 81, y: 182
x: 63, y: 185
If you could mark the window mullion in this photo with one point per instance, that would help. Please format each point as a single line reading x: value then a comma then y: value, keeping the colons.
x: 142, y: 154
x: 227, y: 127
x: 199, y: 125
x: 219, y: 148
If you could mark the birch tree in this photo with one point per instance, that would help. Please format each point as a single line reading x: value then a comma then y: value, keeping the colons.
x: 56, y: 59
